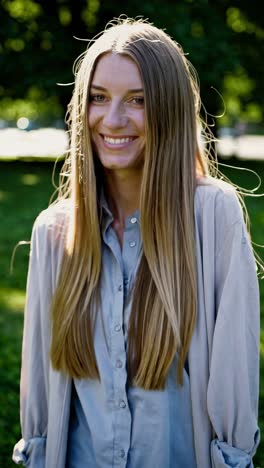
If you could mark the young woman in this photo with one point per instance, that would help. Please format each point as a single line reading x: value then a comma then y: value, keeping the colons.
x: 141, y: 334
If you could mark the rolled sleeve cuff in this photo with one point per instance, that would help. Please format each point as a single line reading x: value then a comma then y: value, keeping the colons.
x: 30, y: 453
x: 226, y: 456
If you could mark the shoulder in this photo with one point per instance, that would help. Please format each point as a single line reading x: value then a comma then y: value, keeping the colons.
x: 219, y: 216
x: 51, y: 223
x: 218, y: 200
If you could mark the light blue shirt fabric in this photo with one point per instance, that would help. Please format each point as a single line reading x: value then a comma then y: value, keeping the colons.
x: 113, y: 424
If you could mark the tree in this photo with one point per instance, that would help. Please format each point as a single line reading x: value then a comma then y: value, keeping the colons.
x: 224, y: 42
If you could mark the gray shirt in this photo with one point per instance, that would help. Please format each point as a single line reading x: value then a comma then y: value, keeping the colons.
x: 113, y: 424
x: 223, y: 359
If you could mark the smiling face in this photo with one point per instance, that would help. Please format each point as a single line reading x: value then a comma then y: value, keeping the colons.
x: 116, y: 113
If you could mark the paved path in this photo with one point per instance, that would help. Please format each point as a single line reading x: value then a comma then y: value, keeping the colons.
x: 41, y: 143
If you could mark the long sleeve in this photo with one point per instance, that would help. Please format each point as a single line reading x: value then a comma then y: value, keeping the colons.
x: 232, y: 396
x: 30, y: 450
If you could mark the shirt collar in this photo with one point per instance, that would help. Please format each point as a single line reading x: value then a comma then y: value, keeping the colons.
x: 106, y: 217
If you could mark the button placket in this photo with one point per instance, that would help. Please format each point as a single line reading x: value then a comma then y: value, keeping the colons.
x: 121, y: 453
x: 118, y: 364
x: 122, y: 419
x: 122, y: 416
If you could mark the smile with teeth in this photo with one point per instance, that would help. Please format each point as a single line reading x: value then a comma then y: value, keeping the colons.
x: 117, y: 141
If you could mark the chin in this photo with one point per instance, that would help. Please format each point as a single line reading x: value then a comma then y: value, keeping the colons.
x: 114, y: 164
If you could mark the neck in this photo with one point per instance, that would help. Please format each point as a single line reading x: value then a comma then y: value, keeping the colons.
x: 122, y: 190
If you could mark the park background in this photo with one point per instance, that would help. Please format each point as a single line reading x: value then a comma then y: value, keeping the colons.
x: 223, y: 40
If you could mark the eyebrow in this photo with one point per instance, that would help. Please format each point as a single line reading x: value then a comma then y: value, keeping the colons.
x: 101, y: 88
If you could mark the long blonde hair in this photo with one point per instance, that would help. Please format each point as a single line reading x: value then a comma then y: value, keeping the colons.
x: 164, y: 305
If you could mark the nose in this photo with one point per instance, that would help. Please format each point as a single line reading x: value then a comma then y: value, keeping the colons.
x: 115, y: 116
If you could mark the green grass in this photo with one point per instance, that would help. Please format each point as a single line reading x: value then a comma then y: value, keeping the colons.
x: 25, y: 189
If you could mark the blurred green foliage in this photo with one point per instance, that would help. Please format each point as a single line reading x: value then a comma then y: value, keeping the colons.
x: 223, y: 40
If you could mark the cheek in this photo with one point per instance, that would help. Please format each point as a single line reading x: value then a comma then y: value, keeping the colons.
x: 141, y: 122
x: 93, y: 117
x: 91, y: 120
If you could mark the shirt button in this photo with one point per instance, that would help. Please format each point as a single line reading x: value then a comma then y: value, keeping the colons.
x: 118, y: 363
x: 122, y: 453
x: 117, y: 328
x: 122, y: 404
x: 120, y: 287
x: 132, y: 244
x: 133, y: 220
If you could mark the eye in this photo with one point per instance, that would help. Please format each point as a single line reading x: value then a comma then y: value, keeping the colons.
x: 97, y: 98
x: 138, y: 100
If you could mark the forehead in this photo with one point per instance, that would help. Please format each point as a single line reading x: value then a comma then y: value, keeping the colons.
x: 116, y: 70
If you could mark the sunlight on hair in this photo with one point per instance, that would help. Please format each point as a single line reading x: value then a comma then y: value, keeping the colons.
x: 14, y: 254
